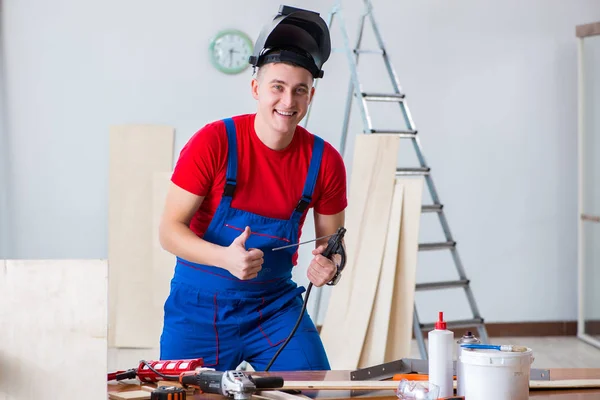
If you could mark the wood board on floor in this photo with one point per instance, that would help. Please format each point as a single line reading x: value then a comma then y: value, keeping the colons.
x: 137, y: 152
x: 374, y: 347
x: 401, y: 317
x: 369, y: 205
x: 54, y: 329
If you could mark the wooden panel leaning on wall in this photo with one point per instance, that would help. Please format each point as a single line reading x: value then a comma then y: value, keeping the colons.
x: 137, y: 153
x: 382, y: 241
x: 54, y: 327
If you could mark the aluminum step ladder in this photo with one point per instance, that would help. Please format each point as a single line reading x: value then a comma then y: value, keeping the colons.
x: 410, y: 132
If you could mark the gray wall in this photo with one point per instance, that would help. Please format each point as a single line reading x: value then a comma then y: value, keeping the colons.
x: 492, y: 89
x: 4, y: 161
x: 591, y: 175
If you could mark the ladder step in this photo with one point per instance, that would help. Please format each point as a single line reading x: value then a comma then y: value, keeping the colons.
x: 412, y: 171
x: 398, y: 97
x: 432, y: 208
x: 442, y: 285
x: 465, y: 323
x: 408, y: 134
x: 436, y: 246
x: 368, y: 51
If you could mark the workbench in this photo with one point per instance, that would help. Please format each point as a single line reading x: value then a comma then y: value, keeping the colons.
x: 555, y: 374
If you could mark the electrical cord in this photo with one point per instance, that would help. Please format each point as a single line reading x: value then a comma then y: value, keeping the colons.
x: 310, y: 285
x: 334, y: 246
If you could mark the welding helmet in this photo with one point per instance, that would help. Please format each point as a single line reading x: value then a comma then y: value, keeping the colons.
x: 298, y: 36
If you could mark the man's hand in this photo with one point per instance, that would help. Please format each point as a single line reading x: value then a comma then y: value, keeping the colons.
x: 321, y: 269
x: 241, y: 263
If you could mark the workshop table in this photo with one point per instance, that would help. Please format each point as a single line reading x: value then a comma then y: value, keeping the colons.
x: 555, y: 374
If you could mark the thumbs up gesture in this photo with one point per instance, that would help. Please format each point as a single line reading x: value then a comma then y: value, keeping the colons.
x: 241, y: 263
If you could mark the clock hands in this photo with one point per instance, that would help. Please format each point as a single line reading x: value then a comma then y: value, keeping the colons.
x: 231, y: 51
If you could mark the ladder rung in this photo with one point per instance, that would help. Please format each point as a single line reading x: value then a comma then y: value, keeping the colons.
x: 436, y: 246
x: 408, y: 134
x: 383, y: 97
x: 412, y: 171
x: 465, y: 323
x: 442, y: 285
x: 432, y: 208
x: 367, y: 51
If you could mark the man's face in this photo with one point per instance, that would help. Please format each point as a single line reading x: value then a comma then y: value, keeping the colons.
x: 284, y: 93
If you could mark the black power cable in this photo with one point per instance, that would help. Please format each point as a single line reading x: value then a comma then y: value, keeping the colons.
x: 334, y: 246
x: 294, y: 329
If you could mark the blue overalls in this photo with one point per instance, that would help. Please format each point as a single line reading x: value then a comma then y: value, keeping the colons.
x: 214, y: 315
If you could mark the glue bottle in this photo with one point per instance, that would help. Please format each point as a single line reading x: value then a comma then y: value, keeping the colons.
x: 441, y: 342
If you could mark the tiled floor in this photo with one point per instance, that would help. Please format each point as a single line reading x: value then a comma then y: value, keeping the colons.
x: 549, y: 352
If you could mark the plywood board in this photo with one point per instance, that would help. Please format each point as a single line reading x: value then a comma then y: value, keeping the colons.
x: 137, y: 152
x: 278, y: 395
x: 401, y: 318
x: 373, y: 351
x: 340, y: 385
x: 369, y: 204
x: 131, y: 395
x: 54, y: 329
x: 565, y: 384
x: 392, y: 385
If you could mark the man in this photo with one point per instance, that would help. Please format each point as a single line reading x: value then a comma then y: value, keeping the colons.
x: 242, y: 187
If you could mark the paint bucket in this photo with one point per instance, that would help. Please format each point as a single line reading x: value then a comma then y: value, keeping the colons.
x: 496, y: 375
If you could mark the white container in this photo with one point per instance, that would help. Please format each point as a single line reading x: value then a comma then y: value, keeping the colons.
x: 468, y: 338
x: 441, y: 343
x: 496, y: 375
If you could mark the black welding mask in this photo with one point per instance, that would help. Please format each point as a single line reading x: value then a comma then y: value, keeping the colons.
x: 298, y: 36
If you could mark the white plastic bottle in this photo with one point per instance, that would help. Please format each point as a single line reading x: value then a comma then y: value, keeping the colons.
x: 440, y: 342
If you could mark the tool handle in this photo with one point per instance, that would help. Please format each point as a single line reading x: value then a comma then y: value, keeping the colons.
x: 206, y: 381
x: 268, y: 382
x: 120, y: 375
x: 335, y: 246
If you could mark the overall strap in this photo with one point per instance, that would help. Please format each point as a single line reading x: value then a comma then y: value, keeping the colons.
x: 231, y: 158
x: 311, y: 177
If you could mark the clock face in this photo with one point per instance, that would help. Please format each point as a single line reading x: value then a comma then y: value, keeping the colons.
x: 230, y: 50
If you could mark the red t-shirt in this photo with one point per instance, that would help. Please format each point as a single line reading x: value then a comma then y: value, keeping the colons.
x: 269, y: 182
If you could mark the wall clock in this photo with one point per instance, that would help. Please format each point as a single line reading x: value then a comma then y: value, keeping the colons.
x: 229, y: 51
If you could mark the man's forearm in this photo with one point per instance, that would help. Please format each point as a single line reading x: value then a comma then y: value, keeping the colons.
x: 179, y: 240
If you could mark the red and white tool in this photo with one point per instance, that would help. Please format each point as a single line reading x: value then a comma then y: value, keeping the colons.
x: 154, y: 371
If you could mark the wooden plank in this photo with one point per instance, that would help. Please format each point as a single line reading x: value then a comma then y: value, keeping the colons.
x: 392, y: 385
x: 131, y: 395
x: 565, y: 384
x: 587, y: 30
x: 341, y: 385
x: 54, y: 329
x: 401, y: 318
x: 278, y: 395
x: 373, y: 351
x: 136, y: 153
x: 369, y: 204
